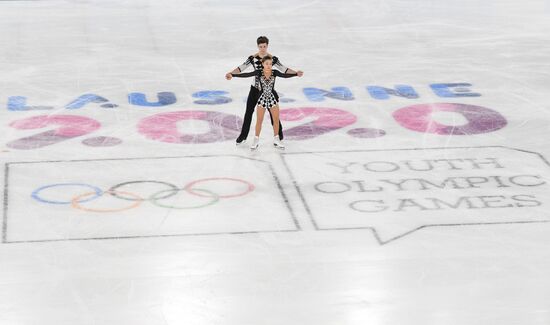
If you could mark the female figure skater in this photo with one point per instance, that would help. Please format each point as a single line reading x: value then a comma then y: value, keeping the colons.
x: 267, y: 100
x: 255, y: 61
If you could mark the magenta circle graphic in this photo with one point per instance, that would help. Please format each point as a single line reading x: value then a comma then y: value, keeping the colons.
x: 163, y: 127
x: 68, y: 125
x: 102, y: 142
x: 480, y: 119
x: 58, y: 128
x: 324, y: 120
x: 366, y: 133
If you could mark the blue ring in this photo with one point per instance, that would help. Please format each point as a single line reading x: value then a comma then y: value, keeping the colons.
x: 98, y: 193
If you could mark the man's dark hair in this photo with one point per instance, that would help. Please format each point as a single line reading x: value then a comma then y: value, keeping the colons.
x: 267, y: 57
x: 262, y: 40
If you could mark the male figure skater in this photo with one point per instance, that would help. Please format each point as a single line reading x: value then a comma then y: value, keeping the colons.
x: 268, y: 99
x: 256, y: 61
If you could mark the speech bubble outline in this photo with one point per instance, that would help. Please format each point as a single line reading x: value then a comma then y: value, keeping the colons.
x: 376, y: 233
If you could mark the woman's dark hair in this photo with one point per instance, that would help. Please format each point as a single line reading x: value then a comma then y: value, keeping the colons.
x: 267, y: 57
x: 262, y: 40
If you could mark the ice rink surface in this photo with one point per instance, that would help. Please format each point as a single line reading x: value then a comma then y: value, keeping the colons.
x: 414, y: 188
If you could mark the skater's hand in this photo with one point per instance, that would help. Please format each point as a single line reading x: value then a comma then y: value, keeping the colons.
x: 300, y: 73
x: 228, y: 76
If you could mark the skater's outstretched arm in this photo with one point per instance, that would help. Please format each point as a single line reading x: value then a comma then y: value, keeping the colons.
x: 279, y: 65
x: 278, y: 73
x: 246, y: 74
x: 240, y: 68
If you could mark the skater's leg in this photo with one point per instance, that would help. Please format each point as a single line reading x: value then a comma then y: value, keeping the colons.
x: 280, y: 129
x: 260, y: 111
x: 259, y: 119
x: 280, y: 125
x: 277, y: 142
x: 251, y: 101
x: 274, y: 113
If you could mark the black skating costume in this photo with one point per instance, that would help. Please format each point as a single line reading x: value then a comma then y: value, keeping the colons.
x: 254, y: 93
x: 268, y: 97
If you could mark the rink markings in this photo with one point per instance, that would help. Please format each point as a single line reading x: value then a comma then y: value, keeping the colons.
x: 274, y: 178
x: 387, y: 241
x: 154, y: 236
x: 282, y: 192
x: 373, y: 229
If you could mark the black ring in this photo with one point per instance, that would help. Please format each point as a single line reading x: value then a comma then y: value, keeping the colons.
x: 113, y: 192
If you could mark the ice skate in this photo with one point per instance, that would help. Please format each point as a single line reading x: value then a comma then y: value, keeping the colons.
x: 240, y: 142
x: 255, y: 143
x: 277, y: 143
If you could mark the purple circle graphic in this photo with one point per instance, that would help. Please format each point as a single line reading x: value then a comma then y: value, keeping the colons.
x: 366, y: 133
x: 480, y: 119
x: 102, y: 142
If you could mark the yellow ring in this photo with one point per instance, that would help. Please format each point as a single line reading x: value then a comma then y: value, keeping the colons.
x: 75, y: 204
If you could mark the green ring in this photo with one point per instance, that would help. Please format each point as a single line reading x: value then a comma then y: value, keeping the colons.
x: 154, y: 199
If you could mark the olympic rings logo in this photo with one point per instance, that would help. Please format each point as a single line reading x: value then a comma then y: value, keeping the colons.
x: 91, y: 193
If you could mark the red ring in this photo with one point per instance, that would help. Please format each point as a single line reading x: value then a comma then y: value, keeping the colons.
x: 250, y: 188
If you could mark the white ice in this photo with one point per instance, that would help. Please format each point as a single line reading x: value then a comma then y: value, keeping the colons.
x: 336, y: 229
